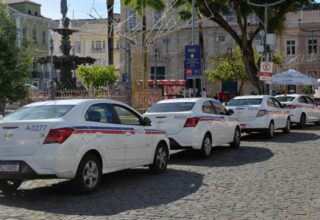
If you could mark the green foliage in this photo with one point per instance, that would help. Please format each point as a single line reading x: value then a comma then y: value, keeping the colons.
x: 98, y: 76
x: 140, y: 5
x: 15, y: 63
x: 228, y: 67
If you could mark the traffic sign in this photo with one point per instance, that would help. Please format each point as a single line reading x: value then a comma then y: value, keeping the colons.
x: 192, y: 62
x: 266, y: 69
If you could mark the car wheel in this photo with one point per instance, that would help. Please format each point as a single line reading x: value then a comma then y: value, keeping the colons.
x: 206, y: 147
x: 270, y: 132
x: 303, y: 121
x: 236, y: 139
x: 88, y: 175
x: 9, y: 185
x: 160, y: 159
x: 288, y: 127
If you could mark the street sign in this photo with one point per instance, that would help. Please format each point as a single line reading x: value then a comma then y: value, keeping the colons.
x: 192, y: 62
x: 266, y: 69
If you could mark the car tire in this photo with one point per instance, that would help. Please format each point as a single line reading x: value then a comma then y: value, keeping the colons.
x: 206, y: 147
x: 10, y: 185
x: 303, y: 121
x: 236, y: 139
x: 270, y: 131
x: 286, y: 130
x: 88, y: 175
x: 160, y: 159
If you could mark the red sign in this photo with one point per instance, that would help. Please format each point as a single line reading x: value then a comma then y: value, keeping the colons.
x: 266, y: 69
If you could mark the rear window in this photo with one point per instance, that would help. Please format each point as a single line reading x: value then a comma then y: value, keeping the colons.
x: 238, y: 102
x: 38, y: 112
x: 172, y: 107
x: 285, y: 98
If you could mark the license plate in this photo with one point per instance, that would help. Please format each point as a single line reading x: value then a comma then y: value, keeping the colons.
x: 9, y: 167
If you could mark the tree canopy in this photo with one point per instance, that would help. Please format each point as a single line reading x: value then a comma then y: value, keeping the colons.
x: 15, y: 62
x: 244, y: 33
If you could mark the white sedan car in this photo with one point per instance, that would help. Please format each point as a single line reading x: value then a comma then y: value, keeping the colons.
x: 196, y: 123
x: 79, y: 140
x: 302, y: 108
x: 260, y: 113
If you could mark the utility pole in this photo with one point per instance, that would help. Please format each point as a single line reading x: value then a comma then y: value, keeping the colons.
x: 267, y: 56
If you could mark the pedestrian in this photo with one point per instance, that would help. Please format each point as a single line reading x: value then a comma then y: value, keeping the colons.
x: 204, y: 93
x: 216, y: 96
x: 221, y: 96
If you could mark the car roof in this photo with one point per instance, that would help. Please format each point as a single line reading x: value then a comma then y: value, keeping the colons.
x: 292, y: 95
x: 70, y: 102
x: 182, y: 100
x: 252, y: 97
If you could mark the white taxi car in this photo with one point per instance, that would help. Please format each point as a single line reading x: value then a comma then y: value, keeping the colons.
x: 303, y: 109
x: 195, y: 123
x: 260, y: 113
x: 79, y: 140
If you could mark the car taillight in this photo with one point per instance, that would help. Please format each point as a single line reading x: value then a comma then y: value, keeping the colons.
x: 291, y: 106
x: 191, y: 122
x: 262, y: 113
x: 58, y: 135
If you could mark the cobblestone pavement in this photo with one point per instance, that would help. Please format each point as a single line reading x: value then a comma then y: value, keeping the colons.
x: 264, y: 179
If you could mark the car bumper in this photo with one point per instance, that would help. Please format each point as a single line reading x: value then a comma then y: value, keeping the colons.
x: 258, y: 123
x: 49, y: 161
x: 188, y: 138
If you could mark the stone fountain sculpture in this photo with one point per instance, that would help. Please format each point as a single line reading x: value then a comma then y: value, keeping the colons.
x: 66, y: 62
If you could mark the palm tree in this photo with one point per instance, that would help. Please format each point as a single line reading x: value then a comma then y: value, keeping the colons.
x: 110, y: 5
x: 140, y: 7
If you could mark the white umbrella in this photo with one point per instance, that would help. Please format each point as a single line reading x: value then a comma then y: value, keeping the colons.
x: 292, y: 77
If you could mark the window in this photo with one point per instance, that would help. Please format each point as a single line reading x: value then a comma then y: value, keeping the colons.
x: 291, y: 47
x: 277, y: 104
x: 312, y: 46
x: 98, y: 46
x: 77, y: 46
x: 132, y: 19
x: 92, y: 45
x: 219, y: 109
x: 157, y: 18
x: 24, y: 33
x: 99, y: 113
x: 302, y: 100
x: 44, y: 37
x: 34, y: 36
x: 239, y: 102
x: 285, y: 98
x: 208, y: 108
x: 39, y: 112
x: 126, y: 116
x: 172, y: 107
x: 309, y: 100
x: 270, y: 102
x: 231, y: 16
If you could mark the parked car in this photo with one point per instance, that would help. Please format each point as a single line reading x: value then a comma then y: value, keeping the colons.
x: 196, y: 123
x: 303, y: 109
x: 79, y: 140
x: 260, y: 113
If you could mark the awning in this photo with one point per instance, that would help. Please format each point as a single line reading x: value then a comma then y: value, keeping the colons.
x: 292, y: 77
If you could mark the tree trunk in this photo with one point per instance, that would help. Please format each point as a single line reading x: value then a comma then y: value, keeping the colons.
x: 110, y: 5
x: 2, y: 107
x: 145, y: 57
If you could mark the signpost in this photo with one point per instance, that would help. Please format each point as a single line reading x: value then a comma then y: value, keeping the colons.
x: 266, y: 69
x: 192, y: 63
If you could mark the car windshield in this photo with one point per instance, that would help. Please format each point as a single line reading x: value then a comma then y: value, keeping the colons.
x: 38, y: 112
x: 172, y: 107
x: 248, y: 101
x: 285, y: 98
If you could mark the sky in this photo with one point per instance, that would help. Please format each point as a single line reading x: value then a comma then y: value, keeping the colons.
x: 77, y: 9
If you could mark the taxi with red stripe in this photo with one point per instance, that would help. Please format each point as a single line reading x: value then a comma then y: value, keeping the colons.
x: 79, y: 140
x: 196, y: 123
x: 260, y: 113
x: 303, y: 109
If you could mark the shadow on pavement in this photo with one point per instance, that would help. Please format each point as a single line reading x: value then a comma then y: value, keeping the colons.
x: 293, y: 137
x: 119, y: 192
x: 223, y: 157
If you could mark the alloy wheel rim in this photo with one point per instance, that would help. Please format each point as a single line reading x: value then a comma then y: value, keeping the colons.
x: 91, y: 174
x: 162, y: 158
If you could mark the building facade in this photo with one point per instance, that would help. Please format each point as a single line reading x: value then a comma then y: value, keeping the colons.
x: 32, y: 26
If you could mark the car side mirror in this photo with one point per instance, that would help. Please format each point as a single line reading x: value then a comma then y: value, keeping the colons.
x: 146, y: 121
x: 230, y: 112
